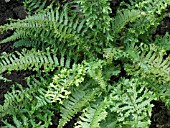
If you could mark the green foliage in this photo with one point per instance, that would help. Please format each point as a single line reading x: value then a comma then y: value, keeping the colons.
x: 75, y: 103
x: 58, y: 89
x: 92, y: 116
x: 25, y: 114
x: 130, y: 101
x: 32, y: 60
x: 100, y: 70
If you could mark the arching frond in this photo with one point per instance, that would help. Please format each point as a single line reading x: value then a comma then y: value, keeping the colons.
x: 150, y: 60
x: 123, y: 18
x: 92, y: 116
x: 49, y: 26
x: 75, y: 103
x: 27, y: 43
x: 33, y: 60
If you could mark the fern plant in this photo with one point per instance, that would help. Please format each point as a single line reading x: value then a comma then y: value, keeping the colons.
x: 105, y: 70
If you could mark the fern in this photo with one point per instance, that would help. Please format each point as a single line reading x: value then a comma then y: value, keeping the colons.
x: 92, y: 116
x: 26, y: 122
x: 25, y: 95
x: 26, y: 115
x: 163, y: 42
x: 58, y: 89
x: 30, y: 59
x: 103, y: 70
x: 151, y: 61
x: 147, y: 24
x: 75, y: 103
x: 132, y: 105
x: 26, y: 43
x: 123, y: 18
x: 56, y: 25
x: 91, y: 17
x: 150, y: 7
x: 35, y: 5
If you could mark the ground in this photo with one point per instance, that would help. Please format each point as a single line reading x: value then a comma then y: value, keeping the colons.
x: 13, y: 9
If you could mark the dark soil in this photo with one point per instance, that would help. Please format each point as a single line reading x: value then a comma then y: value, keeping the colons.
x: 8, y: 10
x: 160, y: 116
x: 13, y: 9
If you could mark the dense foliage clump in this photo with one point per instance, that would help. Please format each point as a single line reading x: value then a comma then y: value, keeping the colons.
x: 106, y: 69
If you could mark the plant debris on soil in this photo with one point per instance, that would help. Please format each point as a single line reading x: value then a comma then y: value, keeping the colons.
x: 160, y: 114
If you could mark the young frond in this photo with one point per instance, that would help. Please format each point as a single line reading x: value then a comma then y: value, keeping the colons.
x: 58, y: 90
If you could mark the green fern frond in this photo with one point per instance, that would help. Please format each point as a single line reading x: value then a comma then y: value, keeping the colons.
x: 36, y: 114
x: 92, y: 116
x: 153, y: 6
x: 14, y: 37
x: 163, y: 42
x: 94, y: 70
x: 58, y: 90
x: 96, y: 13
x: 131, y: 103
x: 110, y: 121
x: 33, y: 60
x: 144, y: 26
x: 26, y: 43
x: 124, y: 17
x: 150, y: 6
x: 34, y: 6
x: 98, y: 21
x: 31, y: 29
x: 25, y: 95
x: 76, y: 102
x: 40, y: 120
x: 146, y: 57
x: 48, y: 26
